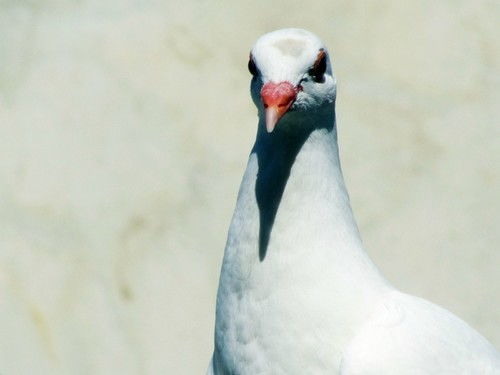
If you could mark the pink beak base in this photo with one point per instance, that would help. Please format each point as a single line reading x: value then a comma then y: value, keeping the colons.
x: 277, y: 99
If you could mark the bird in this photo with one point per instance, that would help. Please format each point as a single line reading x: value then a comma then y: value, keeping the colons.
x: 298, y: 293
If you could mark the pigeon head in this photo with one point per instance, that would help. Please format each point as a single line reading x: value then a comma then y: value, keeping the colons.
x: 292, y: 76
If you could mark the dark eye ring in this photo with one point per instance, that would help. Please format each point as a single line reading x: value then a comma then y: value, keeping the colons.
x: 252, y: 68
x: 317, y: 71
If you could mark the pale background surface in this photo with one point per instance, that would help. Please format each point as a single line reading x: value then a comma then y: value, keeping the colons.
x: 124, y: 131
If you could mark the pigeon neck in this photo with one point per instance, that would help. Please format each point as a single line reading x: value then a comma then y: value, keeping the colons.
x: 295, y: 181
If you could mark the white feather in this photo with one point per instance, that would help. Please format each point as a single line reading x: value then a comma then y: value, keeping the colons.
x: 307, y: 299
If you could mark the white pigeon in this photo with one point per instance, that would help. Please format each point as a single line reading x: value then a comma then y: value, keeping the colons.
x: 298, y: 294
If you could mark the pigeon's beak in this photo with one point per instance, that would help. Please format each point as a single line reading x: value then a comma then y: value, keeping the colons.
x: 277, y: 99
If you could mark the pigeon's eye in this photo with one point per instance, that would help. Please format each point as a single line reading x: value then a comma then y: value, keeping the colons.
x: 252, y: 68
x: 317, y: 71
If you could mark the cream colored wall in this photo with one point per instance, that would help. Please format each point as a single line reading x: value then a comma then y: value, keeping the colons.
x: 124, y: 130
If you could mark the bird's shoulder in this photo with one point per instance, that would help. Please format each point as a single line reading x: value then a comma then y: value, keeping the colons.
x: 410, y: 335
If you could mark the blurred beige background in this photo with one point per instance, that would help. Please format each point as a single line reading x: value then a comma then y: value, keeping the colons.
x: 124, y: 131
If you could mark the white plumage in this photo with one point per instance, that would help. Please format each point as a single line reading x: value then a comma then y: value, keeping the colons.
x: 298, y: 293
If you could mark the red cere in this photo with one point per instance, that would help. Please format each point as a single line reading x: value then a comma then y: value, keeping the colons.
x: 280, y: 94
